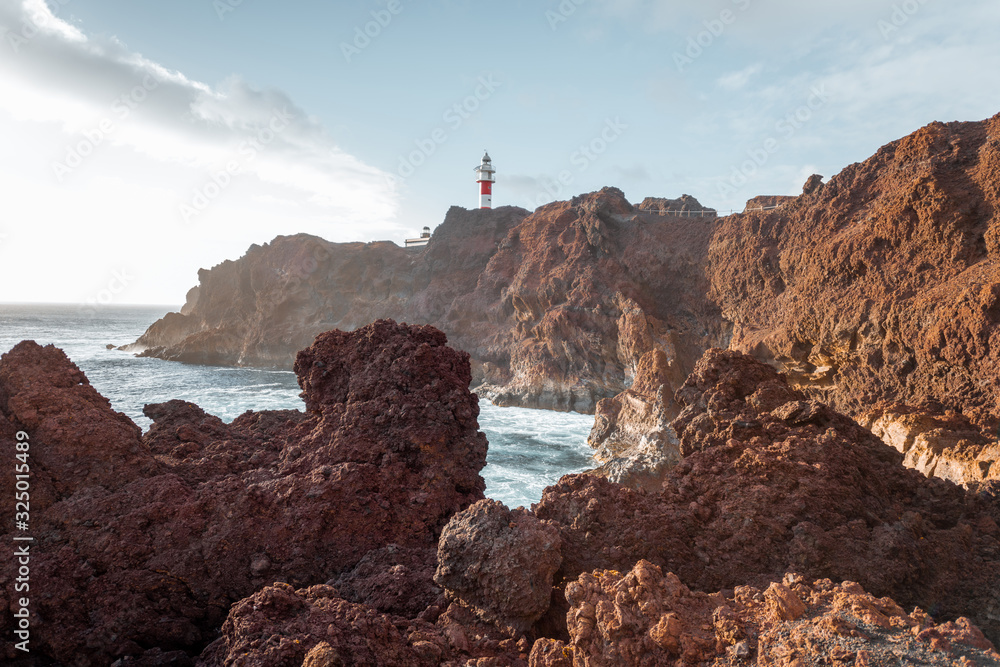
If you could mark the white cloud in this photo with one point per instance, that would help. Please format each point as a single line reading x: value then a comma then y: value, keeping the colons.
x: 58, y: 75
x: 103, y: 147
x: 737, y: 80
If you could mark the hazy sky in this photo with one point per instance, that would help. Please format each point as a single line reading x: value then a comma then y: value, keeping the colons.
x: 141, y: 140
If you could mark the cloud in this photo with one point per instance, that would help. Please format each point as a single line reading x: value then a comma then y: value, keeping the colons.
x: 737, y: 80
x: 50, y: 72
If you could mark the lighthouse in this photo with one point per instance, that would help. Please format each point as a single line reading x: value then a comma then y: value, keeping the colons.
x: 484, y: 176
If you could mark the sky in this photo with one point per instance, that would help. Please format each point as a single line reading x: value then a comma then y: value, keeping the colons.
x: 143, y: 140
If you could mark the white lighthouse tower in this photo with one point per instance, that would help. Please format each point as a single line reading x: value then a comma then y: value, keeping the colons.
x: 484, y: 176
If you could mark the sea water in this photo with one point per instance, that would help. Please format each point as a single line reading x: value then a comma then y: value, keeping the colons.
x: 529, y: 449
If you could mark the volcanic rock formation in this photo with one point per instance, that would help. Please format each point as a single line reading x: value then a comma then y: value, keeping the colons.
x: 772, y: 482
x: 884, y: 284
x: 147, y: 542
x: 499, y: 563
x: 263, y: 308
x: 685, y: 205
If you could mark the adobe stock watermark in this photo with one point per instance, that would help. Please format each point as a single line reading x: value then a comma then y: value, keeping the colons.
x: 121, y: 109
x: 786, y: 128
x: 33, y: 24
x: 902, y: 13
x: 203, y: 196
x: 119, y: 282
x: 223, y: 7
x: 588, y: 153
x: 565, y: 10
x: 698, y: 43
x: 22, y: 546
x: 364, y: 34
x: 453, y: 117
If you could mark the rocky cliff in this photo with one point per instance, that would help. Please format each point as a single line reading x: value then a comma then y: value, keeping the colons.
x: 556, y: 307
x: 881, y: 286
x: 884, y: 283
x: 262, y: 309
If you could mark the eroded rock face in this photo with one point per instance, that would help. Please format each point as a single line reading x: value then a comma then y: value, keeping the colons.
x: 881, y: 285
x: 262, y: 309
x: 772, y: 482
x: 938, y: 445
x: 632, y: 435
x: 647, y: 618
x: 583, y: 289
x: 499, y: 563
x: 146, y: 543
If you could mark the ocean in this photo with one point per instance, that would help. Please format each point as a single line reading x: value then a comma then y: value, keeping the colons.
x: 529, y: 449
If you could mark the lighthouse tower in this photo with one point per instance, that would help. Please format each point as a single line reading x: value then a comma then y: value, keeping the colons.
x: 484, y: 176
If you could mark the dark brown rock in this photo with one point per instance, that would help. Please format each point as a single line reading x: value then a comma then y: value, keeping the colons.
x: 499, y: 562
x: 282, y: 627
x: 147, y: 543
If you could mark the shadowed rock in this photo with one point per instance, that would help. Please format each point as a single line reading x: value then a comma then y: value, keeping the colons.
x: 499, y: 563
x: 147, y: 543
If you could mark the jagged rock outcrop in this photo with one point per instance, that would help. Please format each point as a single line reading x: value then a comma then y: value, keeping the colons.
x: 632, y: 436
x: 282, y: 626
x: 883, y: 284
x: 556, y: 307
x: 647, y: 618
x: 938, y: 445
x: 770, y: 482
x: 582, y: 289
x: 499, y: 563
x: 143, y: 543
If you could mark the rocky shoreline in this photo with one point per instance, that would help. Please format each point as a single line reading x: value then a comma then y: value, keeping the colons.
x: 357, y: 532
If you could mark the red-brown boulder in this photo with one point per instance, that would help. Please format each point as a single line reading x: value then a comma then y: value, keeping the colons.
x: 499, y: 563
